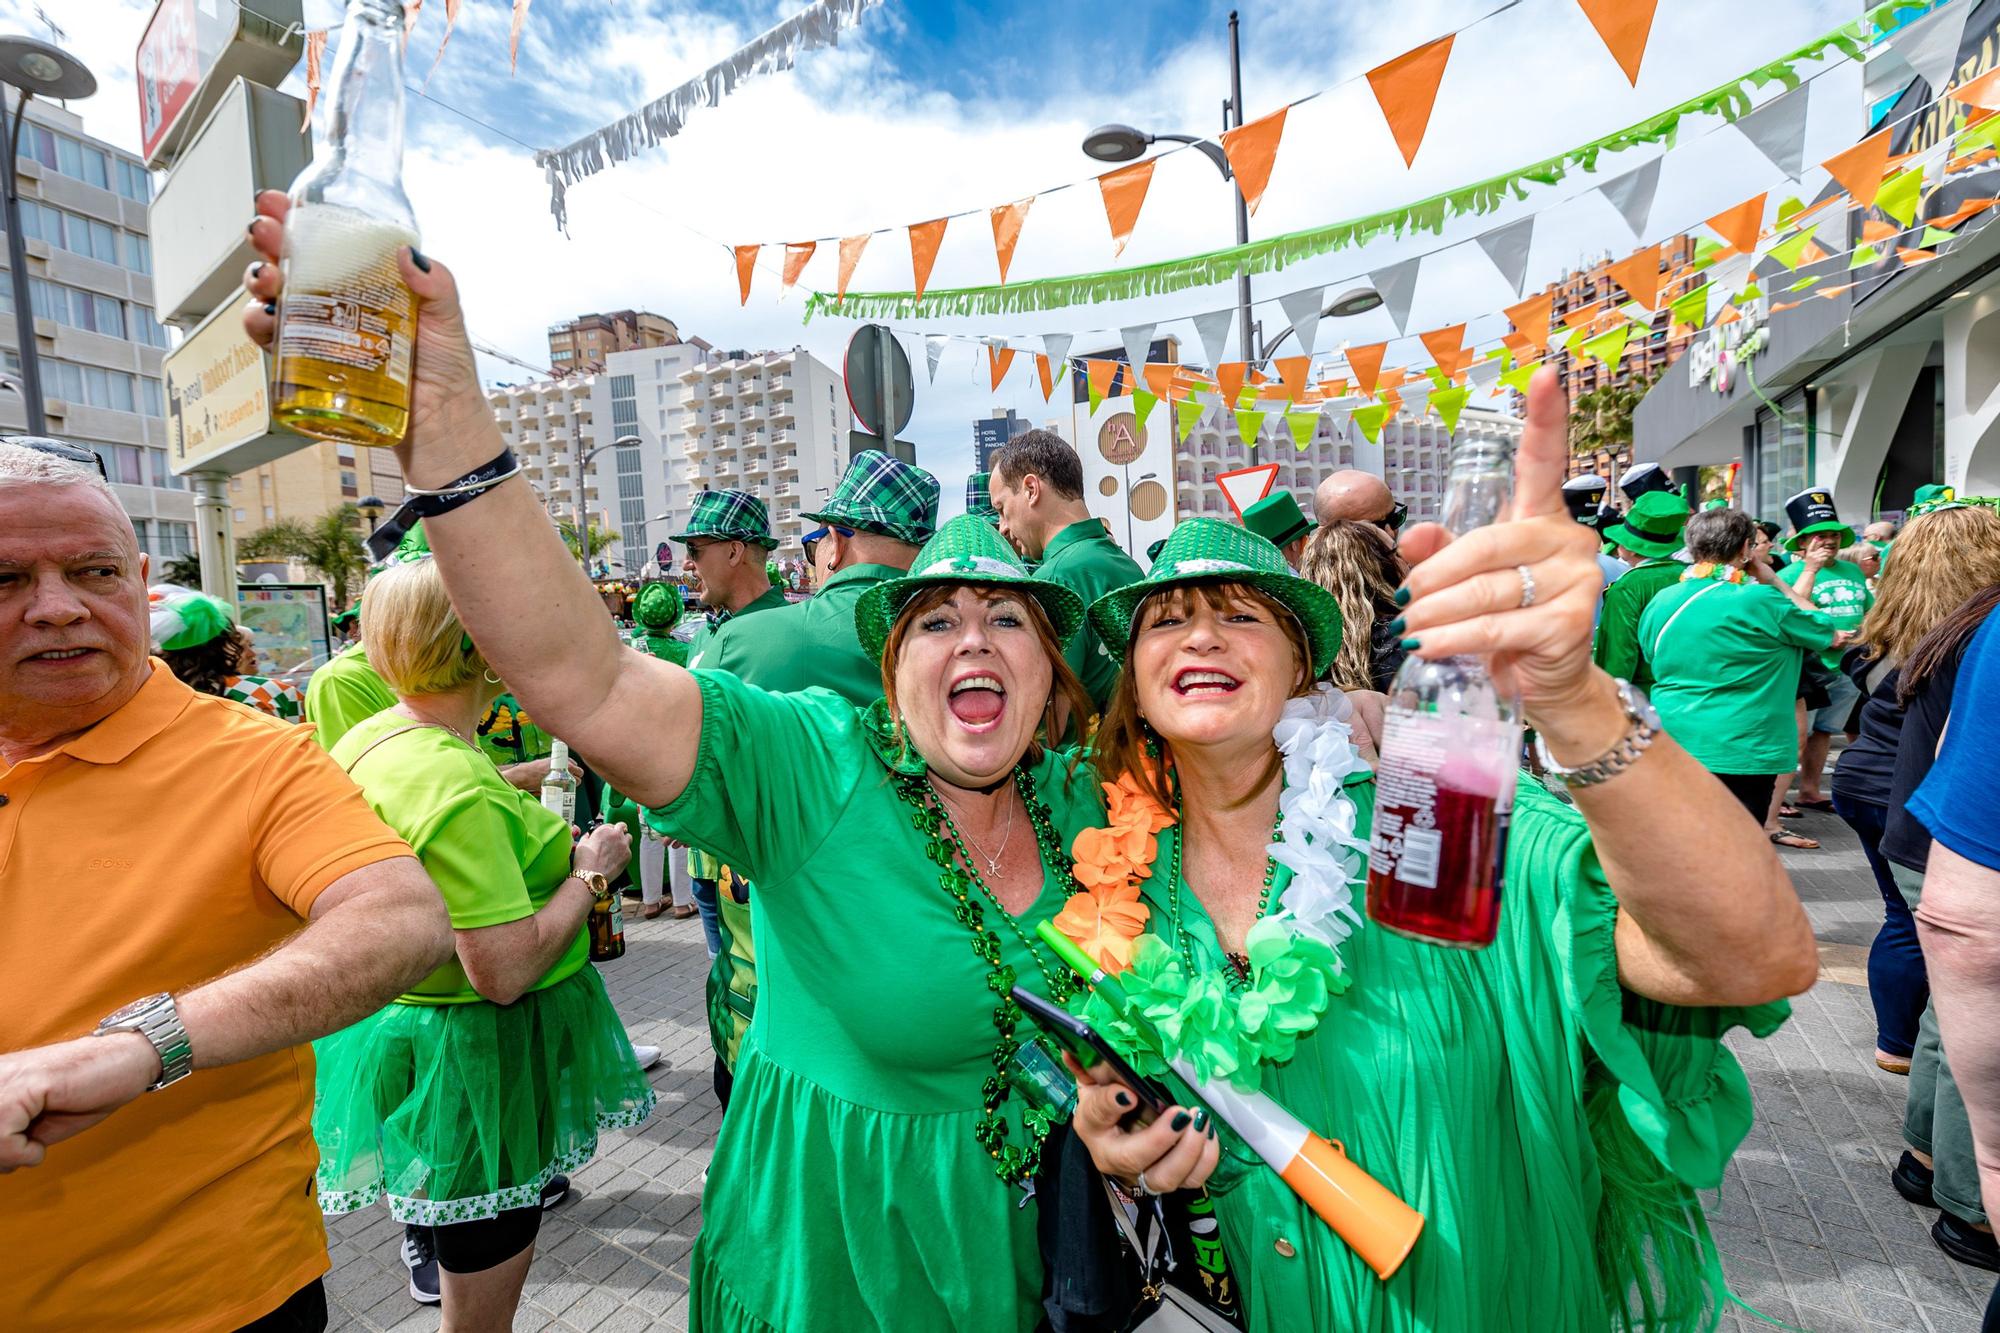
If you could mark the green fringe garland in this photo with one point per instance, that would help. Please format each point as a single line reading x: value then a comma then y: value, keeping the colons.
x: 1730, y: 100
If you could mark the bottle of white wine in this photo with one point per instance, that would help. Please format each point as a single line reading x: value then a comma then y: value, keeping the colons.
x: 559, y: 787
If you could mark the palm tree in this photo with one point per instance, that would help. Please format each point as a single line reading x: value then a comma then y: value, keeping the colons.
x: 1600, y: 422
x: 330, y: 546
x: 600, y: 537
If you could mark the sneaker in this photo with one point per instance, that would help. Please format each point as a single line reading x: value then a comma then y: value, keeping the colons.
x: 1912, y: 1180
x: 421, y: 1260
x: 1966, y: 1243
x: 648, y: 1056
x: 554, y: 1192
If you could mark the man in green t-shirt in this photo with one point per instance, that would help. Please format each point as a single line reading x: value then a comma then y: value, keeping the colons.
x: 1839, y: 589
x: 1037, y: 485
x: 728, y: 541
x: 1646, y: 538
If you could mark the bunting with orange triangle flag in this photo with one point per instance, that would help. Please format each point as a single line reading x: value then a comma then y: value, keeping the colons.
x: 998, y: 359
x: 1159, y: 377
x: 1229, y: 378
x: 1875, y: 229
x: 1859, y: 169
x: 1639, y: 275
x: 1097, y: 376
x: 746, y: 263
x: 1406, y: 89
x: 1531, y: 318
x: 850, y: 255
x: 1124, y: 193
x: 1366, y: 363
x: 796, y: 255
x: 925, y: 237
x: 1251, y: 150
x: 1046, y: 375
x: 1739, y: 226
x: 1442, y: 343
x: 1293, y: 370
x: 1007, y: 220
x: 1624, y: 25
x: 1982, y: 92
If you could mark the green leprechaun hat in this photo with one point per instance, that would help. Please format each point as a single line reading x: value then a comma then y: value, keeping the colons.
x: 1933, y: 494
x: 968, y: 549
x: 1278, y: 519
x: 885, y: 496
x: 735, y: 516
x: 1812, y: 511
x: 1652, y: 526
x: 1208, y: 550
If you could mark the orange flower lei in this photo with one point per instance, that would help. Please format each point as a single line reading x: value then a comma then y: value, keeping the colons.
x: 1107, y: 917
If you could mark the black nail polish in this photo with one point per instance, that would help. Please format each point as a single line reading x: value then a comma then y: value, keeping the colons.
x: 1180, y: 1121
x: 251, y: 228
x: 421, y: 260
x: 270, y: 307
x: 1411, y: 645
x: 1122, y: 1098
x: 257, y: 270
x: 1402, y: 597
x: 1396, y: 625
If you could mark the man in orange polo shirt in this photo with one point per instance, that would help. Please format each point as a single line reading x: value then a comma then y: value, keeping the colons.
x: 160, y: 852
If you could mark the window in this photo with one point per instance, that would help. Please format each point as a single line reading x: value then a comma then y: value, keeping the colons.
x: 39, y: 142
x: 241, y: 517
x: 151, y: 399
x: 173, y: 538
x: 146, y: 329
x: 138, y: 253
x: 347, y: 482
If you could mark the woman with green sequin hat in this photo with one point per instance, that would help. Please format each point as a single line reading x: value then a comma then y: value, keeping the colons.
x: 198, y: 638
x: 1552, y: 1102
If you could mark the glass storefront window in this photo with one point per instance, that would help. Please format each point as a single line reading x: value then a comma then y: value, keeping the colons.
x: 1784, y: 455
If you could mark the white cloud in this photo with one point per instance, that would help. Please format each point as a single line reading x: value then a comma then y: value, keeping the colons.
x: 847, y: 143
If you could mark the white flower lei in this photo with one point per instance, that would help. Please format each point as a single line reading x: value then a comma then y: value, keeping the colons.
x: 1326, y: 855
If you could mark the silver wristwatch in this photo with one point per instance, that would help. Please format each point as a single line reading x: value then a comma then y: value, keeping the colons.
x: 1642, y: 725
x: 157, y: 1020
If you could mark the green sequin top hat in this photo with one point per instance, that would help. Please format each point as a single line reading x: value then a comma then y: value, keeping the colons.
x: 658, y: 606
x: 1652, y: 526
x: 184, y: 618
x: 735, y: 516
x: 979, y: 495
x: 1208, y: 550
x: 885, y: 496
x: 968, y: 549
x: 1812, y: 511
x: 1278, y: 519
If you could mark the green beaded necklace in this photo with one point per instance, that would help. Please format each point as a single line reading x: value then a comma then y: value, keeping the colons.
x: 958, y: 876
x: 1237, y: 974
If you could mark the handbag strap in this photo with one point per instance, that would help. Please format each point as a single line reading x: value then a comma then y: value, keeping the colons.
x: 386, y: 736
x: 1678, y: 613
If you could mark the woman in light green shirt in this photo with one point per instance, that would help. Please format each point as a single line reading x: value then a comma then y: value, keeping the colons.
x: 497, y: 1072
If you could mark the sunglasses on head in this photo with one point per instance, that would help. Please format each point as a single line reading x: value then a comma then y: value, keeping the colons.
x: 74, y: 453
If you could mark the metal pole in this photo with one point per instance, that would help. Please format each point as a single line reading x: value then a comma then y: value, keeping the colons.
x: 17, y: 268
x: 576, y: 491
x: 1250, y: 352
x: 884, y: 350
x: 215, y: 539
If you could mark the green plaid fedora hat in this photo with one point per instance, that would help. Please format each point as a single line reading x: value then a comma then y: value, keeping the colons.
x: 968, y: 549
x: 1652, y: 526
x: 979, y: 496
x: 735, y: 516
x: 1208, y: 550
x: 885, y: 496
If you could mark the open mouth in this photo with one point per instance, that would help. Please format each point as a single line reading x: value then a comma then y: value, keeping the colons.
x: 1203, y: 684
x: 62, y: 655
x: 977, y: 701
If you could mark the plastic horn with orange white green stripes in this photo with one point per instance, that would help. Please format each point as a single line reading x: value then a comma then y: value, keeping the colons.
x: 1380, y: 1227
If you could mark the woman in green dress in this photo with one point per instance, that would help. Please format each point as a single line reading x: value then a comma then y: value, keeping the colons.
x: 1549, y: 1103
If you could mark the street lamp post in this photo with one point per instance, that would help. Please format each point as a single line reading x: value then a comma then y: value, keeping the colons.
x: 583, y: 457
x: 30, y: 67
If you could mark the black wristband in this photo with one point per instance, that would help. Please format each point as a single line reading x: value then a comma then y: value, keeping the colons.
x: 466, y: 488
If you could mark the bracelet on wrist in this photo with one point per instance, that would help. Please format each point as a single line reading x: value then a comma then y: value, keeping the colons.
x: 430, y: 503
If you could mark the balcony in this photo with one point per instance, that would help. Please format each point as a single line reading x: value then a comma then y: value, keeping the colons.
x: 781, y: 410
x: 781, y: 384
x: 788, y: 440
x: 694, y: 420
x: 749, y: 387
x: 756, y: 465
x: 750, y: 411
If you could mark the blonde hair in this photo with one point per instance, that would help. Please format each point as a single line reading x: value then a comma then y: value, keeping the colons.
x: 1939, y: 560
x: 1356, y: 562
x: 415, y: 642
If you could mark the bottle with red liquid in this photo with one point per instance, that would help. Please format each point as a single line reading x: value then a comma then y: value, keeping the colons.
x: 1451, y: 747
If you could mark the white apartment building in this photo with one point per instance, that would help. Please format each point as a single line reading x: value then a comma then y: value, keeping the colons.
x: 542, y: 423
x: 639, y: 392
x: 90, y: 286
x: 771, y: 423
x: 1212, y: 446
x: 1416, y: 452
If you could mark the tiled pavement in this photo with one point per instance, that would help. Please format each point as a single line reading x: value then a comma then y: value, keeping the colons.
x: 1809, y: 1229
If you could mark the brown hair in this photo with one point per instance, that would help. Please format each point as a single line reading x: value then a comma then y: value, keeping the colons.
x: 1356, y: 562
x: 1124, y: 736
x: 1939, y: 560
x: 1064, y: 686
x: 1944, y: 643
x: 207, y: 667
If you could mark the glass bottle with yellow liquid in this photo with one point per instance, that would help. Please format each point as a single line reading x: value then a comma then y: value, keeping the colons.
x: 347, y: 324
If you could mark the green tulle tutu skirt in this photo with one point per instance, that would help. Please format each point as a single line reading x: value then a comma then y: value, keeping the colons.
x: 463, y: 1111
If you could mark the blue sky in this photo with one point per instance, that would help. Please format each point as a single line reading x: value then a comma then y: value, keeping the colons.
x: 935, y: 107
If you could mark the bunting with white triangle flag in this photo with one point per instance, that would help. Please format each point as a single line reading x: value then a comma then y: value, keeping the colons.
x: 934, y: 346
x: 1930, y: 45
x: 1302, y: 313
x: 1507, y: 247
x: 1727, y: 277
x: 1213, y: 331
x: 1397, y: 286
x: 1138, y: 340
x: 1632, y: 195
x: 1055, y: 346
x: 1777, y: 129
x: 1483, y: 372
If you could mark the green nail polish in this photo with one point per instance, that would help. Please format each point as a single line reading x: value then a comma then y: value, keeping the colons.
x: 1411, y: 645
x: 1180, y: 1121
x: 1396, y: 625
x: 1201, y: 1120
x: 1402, y: 597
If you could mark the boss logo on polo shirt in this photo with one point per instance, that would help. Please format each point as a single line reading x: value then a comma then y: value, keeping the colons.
x: 107, y: 863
